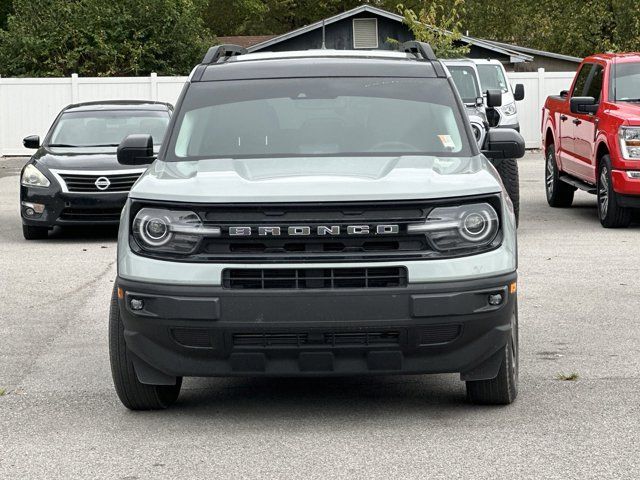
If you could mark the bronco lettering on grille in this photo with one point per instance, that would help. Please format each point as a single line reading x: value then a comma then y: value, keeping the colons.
x: 307, y: 230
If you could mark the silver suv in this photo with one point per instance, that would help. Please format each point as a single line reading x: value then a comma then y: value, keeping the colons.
x: 316, y: 213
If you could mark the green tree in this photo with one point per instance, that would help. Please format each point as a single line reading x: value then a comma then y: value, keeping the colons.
x: 98, y: 37
x: 438, y: 26
x: 6, y: 6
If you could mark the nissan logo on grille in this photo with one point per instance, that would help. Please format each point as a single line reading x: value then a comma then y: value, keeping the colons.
x: 102, y: 183
x: 307, y: 230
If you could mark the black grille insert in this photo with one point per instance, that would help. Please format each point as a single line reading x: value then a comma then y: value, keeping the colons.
x: 192, y: 337
x: 306, y: 278
x: 86, y: 183
x: 436, y: 334
x: 91, y: 214
x: 333, y: 339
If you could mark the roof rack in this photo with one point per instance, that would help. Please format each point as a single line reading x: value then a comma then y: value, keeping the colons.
x: 424, y: 51
x: 224, y: 51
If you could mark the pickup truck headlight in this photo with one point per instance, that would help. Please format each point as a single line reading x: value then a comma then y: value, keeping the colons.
x: 472, y: 226
x: 32, y: 177
x: 509, y: 109
x: 160, y: 230
x: 630, y: 142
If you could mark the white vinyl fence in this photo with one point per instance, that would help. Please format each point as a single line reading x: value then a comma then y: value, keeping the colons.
x: 29, y: 105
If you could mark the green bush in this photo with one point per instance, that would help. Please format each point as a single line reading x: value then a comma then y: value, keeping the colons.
x: 103, y: 37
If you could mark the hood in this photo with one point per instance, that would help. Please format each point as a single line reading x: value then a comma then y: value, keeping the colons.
x: 310, y: 179
x: 95, y: 158
x: 626, y: 111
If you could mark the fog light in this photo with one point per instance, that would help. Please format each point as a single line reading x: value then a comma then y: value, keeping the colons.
x: 633, y: 174
x: 136, y: 304
x: 33, y: 208
x: 495, y: 299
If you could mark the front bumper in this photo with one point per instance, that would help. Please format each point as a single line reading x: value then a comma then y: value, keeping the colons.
x: 422, y: 328
x: 628, y: 188
x: 72, y: 209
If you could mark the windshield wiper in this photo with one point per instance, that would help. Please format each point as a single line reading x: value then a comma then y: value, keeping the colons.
x: 82, y: 146
x: 629, y: 99
x: 63, y: 145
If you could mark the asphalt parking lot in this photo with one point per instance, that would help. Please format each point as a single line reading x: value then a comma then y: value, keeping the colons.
x: 60, y: 417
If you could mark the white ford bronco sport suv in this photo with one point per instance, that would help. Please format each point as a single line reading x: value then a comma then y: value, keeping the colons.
x: 316, y: 213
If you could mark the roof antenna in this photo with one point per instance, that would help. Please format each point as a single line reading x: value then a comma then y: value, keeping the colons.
x: 324, y: 46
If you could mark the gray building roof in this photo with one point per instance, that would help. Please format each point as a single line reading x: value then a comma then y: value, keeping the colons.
x: 515, y: 55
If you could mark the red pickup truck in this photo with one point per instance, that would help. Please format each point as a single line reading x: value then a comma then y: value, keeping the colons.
x: 591, y: 137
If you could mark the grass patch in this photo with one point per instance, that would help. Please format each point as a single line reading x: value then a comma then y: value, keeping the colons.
x: 2, y: 392
x: 571, y: 377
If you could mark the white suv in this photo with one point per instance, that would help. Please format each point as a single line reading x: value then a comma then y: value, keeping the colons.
x: 493, y: 76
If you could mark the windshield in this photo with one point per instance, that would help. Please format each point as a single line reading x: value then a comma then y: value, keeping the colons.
x: 627, y: 82
x: 107, y: 128
x: 318, y: 117
x: 466, y: 83
x: 492, y: 78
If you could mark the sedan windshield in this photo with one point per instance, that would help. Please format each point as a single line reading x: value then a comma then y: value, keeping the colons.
x: 318, y: 117
x: 626, y: 84
x: 107, y: 128
x: 492, y: 78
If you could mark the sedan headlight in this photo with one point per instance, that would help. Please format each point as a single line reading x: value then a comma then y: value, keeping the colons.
x: 509, y: 109
x: 173, y: 231
x: 472, y: 226
x: 32, y: 177
x: 630, y: 142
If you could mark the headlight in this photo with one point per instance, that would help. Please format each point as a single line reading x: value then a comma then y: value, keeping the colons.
x: 173, y: 231
x: 32, y: 177
x: 509, y: 109
x: 472, y: 226
x: 630, y: 142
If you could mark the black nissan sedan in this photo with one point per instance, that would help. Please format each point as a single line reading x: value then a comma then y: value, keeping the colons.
x: 74, y: 177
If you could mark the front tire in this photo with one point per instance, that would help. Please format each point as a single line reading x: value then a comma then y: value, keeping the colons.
x: 30, y: 232
x: 611, y: 214
x: 508, y: 170
x: 559, y: 193
x: 503, y: 389
x: 132, y: 393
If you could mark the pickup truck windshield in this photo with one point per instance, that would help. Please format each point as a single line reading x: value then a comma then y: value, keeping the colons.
x: 107, y: 128
x: 318, y: 117
x: 465, y: 80
x: 492, y: 78
x: 627, y: 82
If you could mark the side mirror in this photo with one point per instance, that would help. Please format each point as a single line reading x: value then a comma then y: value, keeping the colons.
x: 504, y: 143
x: 518, y: 93
x: 32, y: 141
x: 583, y: 105
x: 494, y: 98
x: 136, y: 150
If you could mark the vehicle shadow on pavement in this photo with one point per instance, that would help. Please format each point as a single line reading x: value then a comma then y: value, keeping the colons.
x: 317, y: 397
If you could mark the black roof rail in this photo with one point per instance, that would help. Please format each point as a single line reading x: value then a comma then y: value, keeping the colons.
x: 423, y: 50
x: 222, y: 51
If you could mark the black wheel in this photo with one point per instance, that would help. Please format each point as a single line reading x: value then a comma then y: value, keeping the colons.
x: 503, y: 389
x: 34, y: 233
x: 559, y: 193
x: 133, y: 394
x: 508, y: 170
x: 611, y: 214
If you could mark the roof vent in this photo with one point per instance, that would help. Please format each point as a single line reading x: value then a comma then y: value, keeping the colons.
x: 365, y: 33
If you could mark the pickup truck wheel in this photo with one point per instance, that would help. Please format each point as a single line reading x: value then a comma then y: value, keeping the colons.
x: 34, y: 233
x: 559, y: 193
x: 503, y: 389
x: 611, y: 214
x: 508, y: 170
x: 132, y: 393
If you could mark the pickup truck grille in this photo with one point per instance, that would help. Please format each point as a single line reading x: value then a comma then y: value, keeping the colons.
x: 323, y: 278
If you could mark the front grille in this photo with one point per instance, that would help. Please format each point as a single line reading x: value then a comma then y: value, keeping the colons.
x: 192, y: 337
x: 332, y: 339
x: 329, y: 237
x: 86, y: 182
x: 435, y: 334
x: 91, y: 214
x: 306, y: 278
